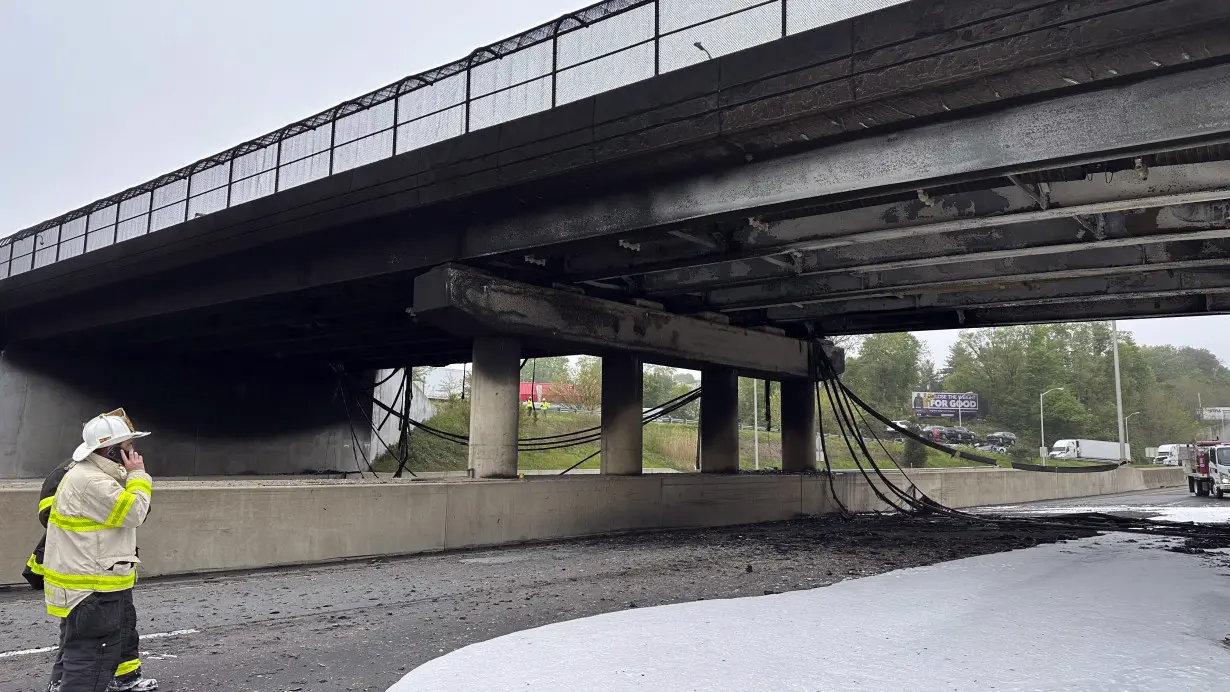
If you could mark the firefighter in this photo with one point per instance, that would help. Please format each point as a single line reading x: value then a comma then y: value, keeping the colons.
x: 90, y: 558
x: 129, y: 676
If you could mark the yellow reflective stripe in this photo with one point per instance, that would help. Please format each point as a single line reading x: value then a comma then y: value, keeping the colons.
x: 128, y: 667
x: 32, y: 563
x: 140, y: 484
x: 46, y: 503
x: 58, y: 612
x: 90, y: 582
x: 120, y: 511
x: 75, y: 524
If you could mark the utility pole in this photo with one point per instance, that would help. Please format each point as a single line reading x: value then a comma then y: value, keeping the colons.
x: 1114, y: 331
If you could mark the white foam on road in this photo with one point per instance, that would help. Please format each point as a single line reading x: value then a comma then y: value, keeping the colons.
x: 49, y: 649
x: 1094, y: 615
x: 1216, y: 514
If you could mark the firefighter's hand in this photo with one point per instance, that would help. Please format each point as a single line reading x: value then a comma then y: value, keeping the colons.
x: 133, y: 461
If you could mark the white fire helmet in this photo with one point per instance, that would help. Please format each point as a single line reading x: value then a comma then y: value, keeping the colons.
x: 104, y: 431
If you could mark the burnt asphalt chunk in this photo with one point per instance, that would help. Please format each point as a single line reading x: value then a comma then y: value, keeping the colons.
x: 362, y: 626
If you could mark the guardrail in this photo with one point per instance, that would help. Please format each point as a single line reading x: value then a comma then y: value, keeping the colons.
x: 599, y: 48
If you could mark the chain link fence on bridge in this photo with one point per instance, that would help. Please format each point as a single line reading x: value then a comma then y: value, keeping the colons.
x: 584, y: 53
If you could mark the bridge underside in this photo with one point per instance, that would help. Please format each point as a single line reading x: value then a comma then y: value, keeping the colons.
x: 1104, y: 195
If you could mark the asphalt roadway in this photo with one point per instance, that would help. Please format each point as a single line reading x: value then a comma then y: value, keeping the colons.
x: 362, y: 626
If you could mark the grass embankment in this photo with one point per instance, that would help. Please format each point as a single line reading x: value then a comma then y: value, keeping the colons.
x: 667, y: 445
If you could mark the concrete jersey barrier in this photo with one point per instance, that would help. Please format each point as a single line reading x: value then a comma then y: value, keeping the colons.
x: 237, y: 525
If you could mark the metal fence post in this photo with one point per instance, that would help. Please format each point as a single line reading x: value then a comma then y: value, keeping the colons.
x: 230, y: 182
x: 277, y: 166
x: 657, y: 37
x: 332, y: 139
x: 554, y: 64
x: 187, y: 198
x: 469, y: 70
x: 396, y: 111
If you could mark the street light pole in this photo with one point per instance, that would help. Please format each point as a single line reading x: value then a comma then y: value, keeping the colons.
x: 1127, y: 432
x: 959, y: 421
x: 755, y: 428
x: 1114, y: 331
x: 1042, y: 418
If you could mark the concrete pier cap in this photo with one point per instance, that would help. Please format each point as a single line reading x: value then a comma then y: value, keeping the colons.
x: 468, y: 302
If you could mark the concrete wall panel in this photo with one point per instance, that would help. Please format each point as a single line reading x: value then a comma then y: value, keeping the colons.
x: 705, y: 500
x: 495, y: 512
x: 208, y: 417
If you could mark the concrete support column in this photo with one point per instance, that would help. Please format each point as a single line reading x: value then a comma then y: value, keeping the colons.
x: 719, y: 421
x: 494, y: 407
x: 622, y: 405
x: 798, y: 416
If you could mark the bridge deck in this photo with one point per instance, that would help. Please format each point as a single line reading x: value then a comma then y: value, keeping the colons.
x: 935, y: 164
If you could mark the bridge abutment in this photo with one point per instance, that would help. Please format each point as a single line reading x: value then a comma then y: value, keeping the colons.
x: 208, y: 418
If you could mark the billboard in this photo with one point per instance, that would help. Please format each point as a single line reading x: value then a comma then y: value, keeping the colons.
x: 944, y: 404
x: 1215, y: 413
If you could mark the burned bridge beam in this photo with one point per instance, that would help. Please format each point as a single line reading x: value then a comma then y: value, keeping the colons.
x: 467, y: 302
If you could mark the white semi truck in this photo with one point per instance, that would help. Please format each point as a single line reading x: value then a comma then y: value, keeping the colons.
x: 1087, y: 450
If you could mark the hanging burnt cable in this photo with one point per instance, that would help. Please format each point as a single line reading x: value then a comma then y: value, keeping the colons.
x: 844, y: 411
x: 376, y: 430
x: 558, y: 441
x: 846, y: 435
x: 391, y: 375
x: 541, y: 443
x: 845, y: 402
x: 354, y: 438
x: 660, y: 412
x: 824, y: 452
x: 827, y: 376
x: 401, y: 390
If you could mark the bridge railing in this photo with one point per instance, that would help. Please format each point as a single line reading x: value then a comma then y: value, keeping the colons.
x: 599, y: 48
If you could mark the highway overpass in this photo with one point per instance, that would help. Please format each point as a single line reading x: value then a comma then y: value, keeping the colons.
x: 740, y: 189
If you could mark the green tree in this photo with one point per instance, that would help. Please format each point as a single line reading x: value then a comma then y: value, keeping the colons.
x: 1009, y: 367
x: 554, y: 370
x: 692, y: 410
x: 915, y: 455
x: 884, y: 370
x: 659, y: 381
x: 586, y: 377
x: 687, y: 378
x: 929, y: 379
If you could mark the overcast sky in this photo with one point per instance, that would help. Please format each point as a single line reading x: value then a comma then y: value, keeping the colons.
x: 100, y: 96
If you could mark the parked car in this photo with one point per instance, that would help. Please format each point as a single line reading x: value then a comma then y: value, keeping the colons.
x: 962, y: 435
x: 1003, y: 439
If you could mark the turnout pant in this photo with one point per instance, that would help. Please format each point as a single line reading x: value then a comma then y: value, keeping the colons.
x: 97, y: 639
x: 130, y: 642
